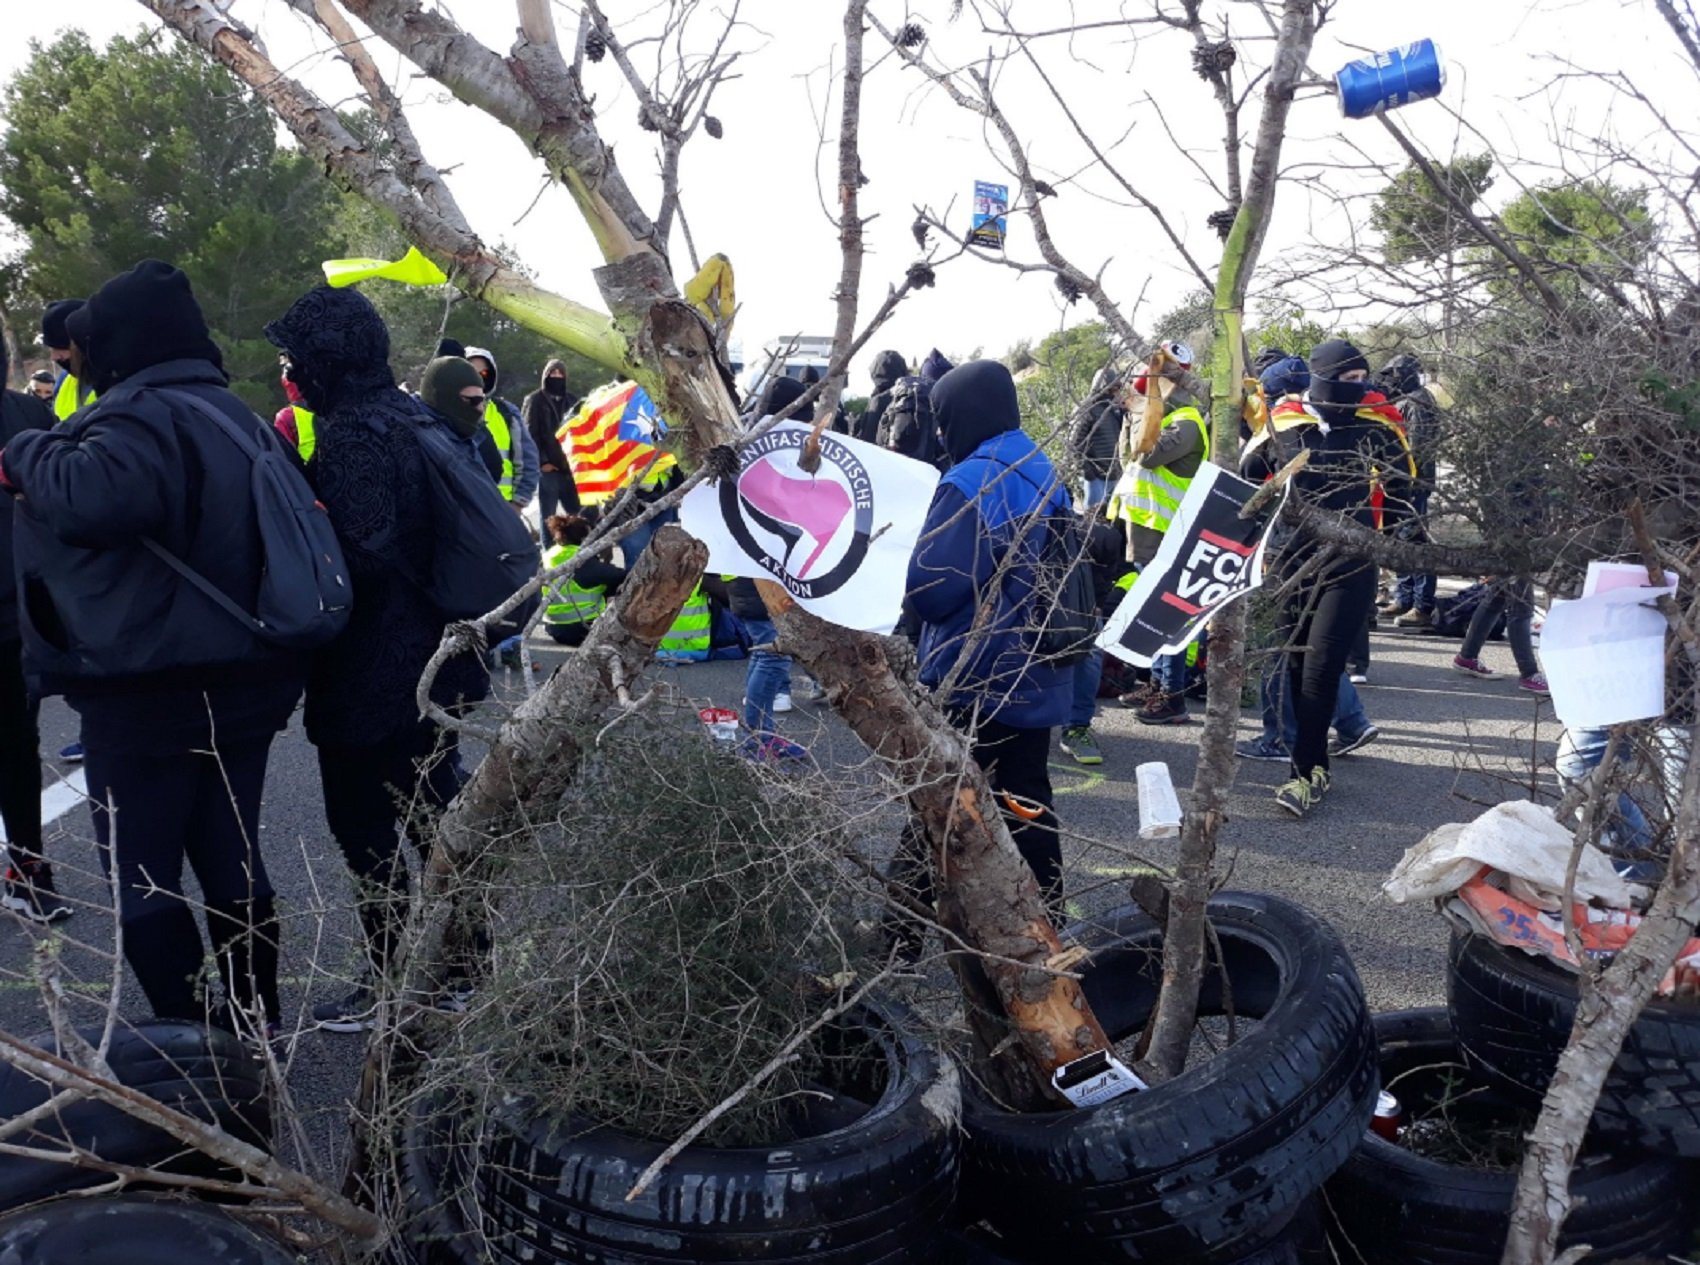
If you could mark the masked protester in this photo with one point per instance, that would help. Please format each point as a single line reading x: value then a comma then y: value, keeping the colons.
x: 1357, y: 447
x: 518, y: 479
x: 375, y: 752
x: 42, y: 385
x: 72, y: 391
x: 544, y: 410
x: 889, y: 368
x: 971, y: 582
x: 179, y: 701
x: 1403, y: 382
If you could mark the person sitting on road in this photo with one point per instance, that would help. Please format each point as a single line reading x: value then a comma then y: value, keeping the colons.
x: 572, y: 605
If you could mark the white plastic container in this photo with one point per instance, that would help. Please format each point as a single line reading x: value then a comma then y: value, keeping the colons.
x: 1159, y: 809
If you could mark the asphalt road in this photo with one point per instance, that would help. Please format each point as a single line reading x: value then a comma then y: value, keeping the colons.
x: 1449, y: 745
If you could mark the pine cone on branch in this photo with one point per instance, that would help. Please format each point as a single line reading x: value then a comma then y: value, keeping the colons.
x: 1068, y: 288
x: 711, y: 125
x: 910, y: 35
x: 1223, y: 221
x: 1210, y: 60
x: 595, y: 47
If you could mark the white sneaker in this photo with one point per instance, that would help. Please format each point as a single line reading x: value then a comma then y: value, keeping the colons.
x: 782, y: 702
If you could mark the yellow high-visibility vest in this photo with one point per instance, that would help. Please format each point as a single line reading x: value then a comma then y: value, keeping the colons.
x: 569, y: 601
x: 505, y: 439
x: 69, y: 397
x: 691, y: 633
x: 306, y: 438
x: 1149, y: 497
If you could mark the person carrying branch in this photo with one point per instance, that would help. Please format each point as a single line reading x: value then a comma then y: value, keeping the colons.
x: 1356, y: 448
x: 1164, y: 441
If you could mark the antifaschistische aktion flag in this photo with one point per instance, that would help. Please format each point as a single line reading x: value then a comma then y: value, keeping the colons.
x: 839, y: 540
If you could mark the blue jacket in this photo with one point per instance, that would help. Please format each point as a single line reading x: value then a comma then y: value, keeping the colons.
x: 981, y: 511
x: 99, y: 610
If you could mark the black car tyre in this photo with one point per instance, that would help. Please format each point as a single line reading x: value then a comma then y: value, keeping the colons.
x: 204, y: 1072
x: 432, y: 1172
x: 133, y: 1230
x: 876, y: 1188
x: 1392, y: 1206
x: 1512, y: 1013
x: 1214, y: 1164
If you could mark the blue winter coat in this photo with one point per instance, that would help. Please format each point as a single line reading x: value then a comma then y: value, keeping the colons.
x: 984, y: 508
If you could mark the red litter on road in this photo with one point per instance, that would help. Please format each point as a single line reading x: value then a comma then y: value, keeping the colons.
x: 722, y: 723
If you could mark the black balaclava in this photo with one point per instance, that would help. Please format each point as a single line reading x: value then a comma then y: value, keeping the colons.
x: 140, y: 318
x: 555, y: 387
x: 972, y: 403
x: 338, y: 348
x: 1268, y: 358
x: 445, y: 378
x: 1327, y: 362
x: 1403, y: 375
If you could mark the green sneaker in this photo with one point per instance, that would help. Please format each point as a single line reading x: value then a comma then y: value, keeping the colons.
x: 1079, y: 743
x: 1299, y: 795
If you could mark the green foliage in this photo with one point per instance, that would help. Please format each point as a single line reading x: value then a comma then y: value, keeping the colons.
x: 1681, y: 399
x: 146, y: 149
x: 1413, y: 215
x: 1289, y: 329
x: 1591, y: 224
x: 1057, y: 377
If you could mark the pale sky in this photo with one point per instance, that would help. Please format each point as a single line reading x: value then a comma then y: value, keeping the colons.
x: 754, y: 194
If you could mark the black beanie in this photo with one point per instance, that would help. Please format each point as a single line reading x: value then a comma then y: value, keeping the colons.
x: 53, y: 331
x: 445, y: 378
x: 146, y: 316
x: 1335, y: 357
x: 451, y: 347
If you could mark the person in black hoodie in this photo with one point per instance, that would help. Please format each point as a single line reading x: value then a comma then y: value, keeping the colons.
x: 889, y: 367
x: 375, y: 752
x: 1355, y: 445
x: 543, y: 412
x: 179, y: 701
x: 29, y: 886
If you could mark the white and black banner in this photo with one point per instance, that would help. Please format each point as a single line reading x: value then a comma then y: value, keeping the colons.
x: 839, y: 540
x: 1209, y: 557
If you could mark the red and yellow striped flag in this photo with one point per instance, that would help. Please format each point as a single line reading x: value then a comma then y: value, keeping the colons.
x: 603, y: 460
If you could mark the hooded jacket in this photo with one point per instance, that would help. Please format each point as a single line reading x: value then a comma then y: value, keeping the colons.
x: 1402, y: 380
x: 544, y: 414
x: 101, y: 614
x: 889, y: 366
x: 983, y: 516
x: 19, y: 412
x: 1097, y: 429
x: 370, y: 474
x: 526, y: 466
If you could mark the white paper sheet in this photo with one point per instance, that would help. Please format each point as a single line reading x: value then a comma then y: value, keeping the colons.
x: 1604, y: 654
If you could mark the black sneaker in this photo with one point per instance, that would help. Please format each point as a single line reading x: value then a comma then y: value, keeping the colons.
x: 357, y: 1012
x: 30, y: 893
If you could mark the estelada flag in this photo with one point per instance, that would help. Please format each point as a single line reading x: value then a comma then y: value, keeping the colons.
x: 609, y: 441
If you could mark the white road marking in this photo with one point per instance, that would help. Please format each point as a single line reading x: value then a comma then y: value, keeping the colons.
x: 60, y: 798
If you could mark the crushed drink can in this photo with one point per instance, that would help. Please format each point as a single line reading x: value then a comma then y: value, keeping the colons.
x: 1411, y: 72
x: 722, y: 724
x: 1389, y: 1116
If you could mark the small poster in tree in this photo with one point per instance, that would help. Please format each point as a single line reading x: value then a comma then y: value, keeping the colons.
x: 991, y: 205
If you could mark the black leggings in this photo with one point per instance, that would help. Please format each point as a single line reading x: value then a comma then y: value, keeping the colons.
x: 176, y: 805
x: 1325, y: 616
x: 369, y: 792
x: 20, y: 759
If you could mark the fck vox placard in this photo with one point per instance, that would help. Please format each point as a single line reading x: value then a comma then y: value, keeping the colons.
x: 838, y: 539
x: 1209, y: 557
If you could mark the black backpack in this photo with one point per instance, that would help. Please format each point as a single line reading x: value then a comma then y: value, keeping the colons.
x: 907, y: 425
x: 1452, y: 615
x: 1064, y: 590
x: 481, y: 552
x: 304, y: 597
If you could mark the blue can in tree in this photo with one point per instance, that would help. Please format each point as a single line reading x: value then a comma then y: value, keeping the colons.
x: 1411, y: 72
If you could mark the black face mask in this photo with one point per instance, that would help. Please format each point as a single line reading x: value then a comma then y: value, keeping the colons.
x: 314, y: 392
x: 556, y: 387
x: 465, y: 416
x: 1336, y: 393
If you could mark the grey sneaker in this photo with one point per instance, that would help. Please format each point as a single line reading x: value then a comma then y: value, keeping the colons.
x: 1343, y: 745
x: 1079, y: 742
x: 354, y: 1013
x: 1262, y: 750
x: 1299, y: 795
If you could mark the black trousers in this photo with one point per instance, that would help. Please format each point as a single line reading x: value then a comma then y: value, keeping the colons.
x: 151, y: 811
x: 370, y: 791
x: 1325, y: 617
x: 1017, y: 763
x: 20, y: 758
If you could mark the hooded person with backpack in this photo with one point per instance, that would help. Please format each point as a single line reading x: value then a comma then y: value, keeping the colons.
x: 908, y: 424
x: 979, y: 551
x: 373, y: 473
x: 140, y: 540
x: 889, y: 367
